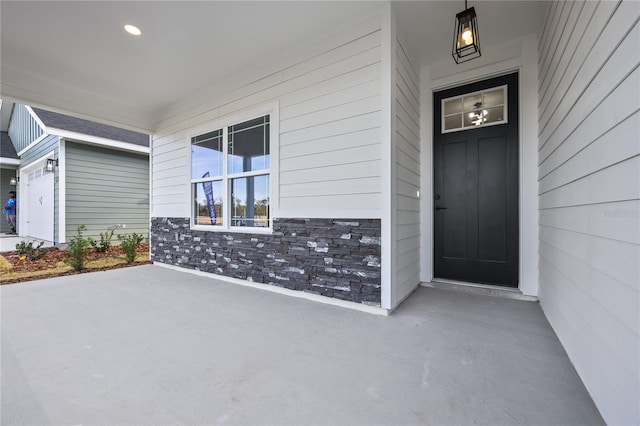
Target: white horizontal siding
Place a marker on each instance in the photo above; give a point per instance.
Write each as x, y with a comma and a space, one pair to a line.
328, 152
407, 175
598, 187
589, 195
365, 205
590, 157
359, 170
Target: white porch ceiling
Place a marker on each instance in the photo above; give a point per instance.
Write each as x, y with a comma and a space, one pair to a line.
74, 57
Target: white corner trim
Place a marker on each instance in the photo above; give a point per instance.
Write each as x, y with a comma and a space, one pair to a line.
426, 177
150, 161
387, 146
95, 140
283, 291
62, 192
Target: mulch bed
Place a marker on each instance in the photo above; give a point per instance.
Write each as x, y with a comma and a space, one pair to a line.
54, 256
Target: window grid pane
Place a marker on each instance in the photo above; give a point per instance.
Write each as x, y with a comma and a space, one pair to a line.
208, 205
206, 155
250, 201
248, 146
478, 108
236, 195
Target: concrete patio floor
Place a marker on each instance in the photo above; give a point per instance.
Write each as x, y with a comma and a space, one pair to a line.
150, 345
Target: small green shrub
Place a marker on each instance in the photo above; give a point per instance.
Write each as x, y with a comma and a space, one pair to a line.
78, 249
32, 253
130, 243
104, 243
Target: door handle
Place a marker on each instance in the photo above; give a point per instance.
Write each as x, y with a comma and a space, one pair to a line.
441, 208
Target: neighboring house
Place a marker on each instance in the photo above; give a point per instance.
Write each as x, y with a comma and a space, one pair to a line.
348, 173
9, 163
76, 172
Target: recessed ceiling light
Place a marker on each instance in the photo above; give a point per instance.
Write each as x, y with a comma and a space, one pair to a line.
132, 29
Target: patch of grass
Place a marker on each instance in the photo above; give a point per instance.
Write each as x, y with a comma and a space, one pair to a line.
61, 267
108, 261
4, 264
104, 262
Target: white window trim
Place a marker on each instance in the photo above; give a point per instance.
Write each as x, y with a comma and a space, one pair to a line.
505, 115
273, 111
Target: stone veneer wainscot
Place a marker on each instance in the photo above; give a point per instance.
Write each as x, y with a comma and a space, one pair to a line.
337, 258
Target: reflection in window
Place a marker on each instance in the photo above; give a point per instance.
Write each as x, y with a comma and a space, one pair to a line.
249, 146
208, 203
206, 155
250, 201
239, 195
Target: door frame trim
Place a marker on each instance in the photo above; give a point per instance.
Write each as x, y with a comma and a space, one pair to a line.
508, 273
524, 61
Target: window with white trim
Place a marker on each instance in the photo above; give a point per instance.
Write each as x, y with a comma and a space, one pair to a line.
230, 176
485, 108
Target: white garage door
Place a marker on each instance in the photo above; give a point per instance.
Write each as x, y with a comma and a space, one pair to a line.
37, 204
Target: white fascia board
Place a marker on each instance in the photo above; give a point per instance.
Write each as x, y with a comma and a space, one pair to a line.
9, 161
32, 144
95, 140
36, 118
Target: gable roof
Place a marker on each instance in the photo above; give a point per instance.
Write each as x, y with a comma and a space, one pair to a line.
79, 125
7, 150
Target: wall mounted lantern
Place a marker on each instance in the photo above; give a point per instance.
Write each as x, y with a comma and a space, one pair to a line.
466, 43
51, 164
13, 180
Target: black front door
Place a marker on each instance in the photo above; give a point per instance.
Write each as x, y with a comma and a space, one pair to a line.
476, 186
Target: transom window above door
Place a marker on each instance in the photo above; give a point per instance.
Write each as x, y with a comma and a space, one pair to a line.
488, 107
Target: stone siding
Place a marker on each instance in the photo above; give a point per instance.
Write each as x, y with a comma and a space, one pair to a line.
337, 258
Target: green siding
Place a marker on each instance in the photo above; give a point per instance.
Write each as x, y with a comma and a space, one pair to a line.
104, 188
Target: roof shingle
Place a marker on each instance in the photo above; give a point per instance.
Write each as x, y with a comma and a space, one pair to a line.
7, 150
79, 125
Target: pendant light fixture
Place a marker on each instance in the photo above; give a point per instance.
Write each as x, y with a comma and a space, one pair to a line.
466, 43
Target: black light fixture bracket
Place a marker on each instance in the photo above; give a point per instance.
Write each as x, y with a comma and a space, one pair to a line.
51, 164
466, 40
